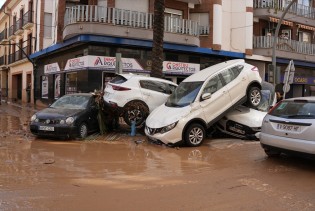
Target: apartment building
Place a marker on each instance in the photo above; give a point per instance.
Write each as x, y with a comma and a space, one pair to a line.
197, 34
25, 27
295, 41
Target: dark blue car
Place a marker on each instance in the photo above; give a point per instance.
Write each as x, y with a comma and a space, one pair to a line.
71, 116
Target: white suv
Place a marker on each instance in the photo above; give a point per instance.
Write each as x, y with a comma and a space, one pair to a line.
135, 96
202, 99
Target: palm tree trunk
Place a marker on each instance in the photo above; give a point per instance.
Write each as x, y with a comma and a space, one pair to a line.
158, 37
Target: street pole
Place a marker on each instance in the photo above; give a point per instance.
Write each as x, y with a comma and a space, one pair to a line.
275, 41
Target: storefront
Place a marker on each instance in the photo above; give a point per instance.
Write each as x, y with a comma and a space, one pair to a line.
90, 73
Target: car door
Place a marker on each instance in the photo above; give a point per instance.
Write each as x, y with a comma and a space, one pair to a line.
236, 82
219, 101
154, 93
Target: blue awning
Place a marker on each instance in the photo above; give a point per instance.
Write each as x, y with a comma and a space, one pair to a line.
134, 43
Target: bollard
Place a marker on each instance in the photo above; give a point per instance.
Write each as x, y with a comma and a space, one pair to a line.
133, 128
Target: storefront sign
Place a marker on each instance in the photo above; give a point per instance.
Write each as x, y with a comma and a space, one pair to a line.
180, 67
51, 68
302, 80
102, 62
306, 27
45, 87
284, 22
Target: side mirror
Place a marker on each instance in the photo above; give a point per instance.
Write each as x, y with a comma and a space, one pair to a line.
205, 96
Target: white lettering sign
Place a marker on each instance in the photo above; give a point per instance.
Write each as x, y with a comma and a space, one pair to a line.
180, 67
51, 68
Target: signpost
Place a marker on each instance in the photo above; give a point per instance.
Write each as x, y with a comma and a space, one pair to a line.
288, 77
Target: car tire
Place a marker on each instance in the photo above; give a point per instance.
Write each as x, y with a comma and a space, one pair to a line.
83, 131
194, 135
254, 97
272, 153
135, 111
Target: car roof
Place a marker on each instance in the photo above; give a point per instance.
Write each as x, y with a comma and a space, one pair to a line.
143, 77
310, 98
205, 73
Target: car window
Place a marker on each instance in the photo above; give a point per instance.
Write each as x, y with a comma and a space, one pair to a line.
213, 85
184, 94
118, 80
155, 86
230, 74
172, 88
295, 109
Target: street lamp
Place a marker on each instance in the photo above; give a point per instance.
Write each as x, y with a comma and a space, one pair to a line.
275, 40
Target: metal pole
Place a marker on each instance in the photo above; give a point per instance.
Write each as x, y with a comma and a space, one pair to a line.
275, 40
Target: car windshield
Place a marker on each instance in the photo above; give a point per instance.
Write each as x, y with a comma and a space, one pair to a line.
71, 102
184, 94
298, 109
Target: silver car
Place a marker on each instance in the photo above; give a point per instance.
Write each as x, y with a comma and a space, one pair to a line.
289, 127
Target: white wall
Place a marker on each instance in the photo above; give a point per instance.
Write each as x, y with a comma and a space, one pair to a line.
134, 5
234, 19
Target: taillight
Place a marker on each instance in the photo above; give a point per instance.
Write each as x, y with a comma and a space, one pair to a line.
120, 88
274, 107
255, 69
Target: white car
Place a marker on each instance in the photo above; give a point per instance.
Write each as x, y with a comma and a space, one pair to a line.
244, 122
289, 127
202, 99
135, 96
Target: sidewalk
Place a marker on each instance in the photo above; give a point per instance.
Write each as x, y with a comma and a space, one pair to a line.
28, 106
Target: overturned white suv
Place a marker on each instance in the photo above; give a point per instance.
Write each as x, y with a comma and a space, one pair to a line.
201, 100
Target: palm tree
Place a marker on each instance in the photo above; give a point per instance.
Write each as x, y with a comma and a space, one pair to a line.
158, 36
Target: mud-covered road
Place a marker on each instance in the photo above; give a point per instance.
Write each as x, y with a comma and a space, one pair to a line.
119, 172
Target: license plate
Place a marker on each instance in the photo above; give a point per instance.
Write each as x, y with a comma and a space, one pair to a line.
293, 128
46, 128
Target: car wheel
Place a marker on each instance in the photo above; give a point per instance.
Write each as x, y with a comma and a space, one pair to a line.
135, 111
254, 97
272, 153
83, 131
194, 135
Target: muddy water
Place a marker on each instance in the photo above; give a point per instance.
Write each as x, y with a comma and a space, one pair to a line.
119, 172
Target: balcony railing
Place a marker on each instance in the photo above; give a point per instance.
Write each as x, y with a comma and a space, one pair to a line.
19, 55
135, 19
3, 35
284, 45
279, 5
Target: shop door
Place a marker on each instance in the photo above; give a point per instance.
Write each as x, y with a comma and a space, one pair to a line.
19, 86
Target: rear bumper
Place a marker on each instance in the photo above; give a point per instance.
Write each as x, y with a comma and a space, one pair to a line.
285, 143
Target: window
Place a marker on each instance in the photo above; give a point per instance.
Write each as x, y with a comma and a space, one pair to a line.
228, 76
155, 86
213, 85
305, 37
48, 25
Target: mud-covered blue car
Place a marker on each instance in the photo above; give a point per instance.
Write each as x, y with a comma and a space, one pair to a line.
71, 116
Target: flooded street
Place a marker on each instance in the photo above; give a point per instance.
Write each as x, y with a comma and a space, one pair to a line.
119, 172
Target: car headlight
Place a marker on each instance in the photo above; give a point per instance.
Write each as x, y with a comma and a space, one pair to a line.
33, 118
168, 127
69, 120
62, 122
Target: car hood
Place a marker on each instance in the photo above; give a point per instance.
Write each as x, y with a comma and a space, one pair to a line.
57, 113
246, 116
163, 115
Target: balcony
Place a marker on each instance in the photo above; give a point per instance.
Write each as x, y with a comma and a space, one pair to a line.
19, 30
285, 48
87, 19
3, 37
18, 56
11, 32
28, 20
275, 8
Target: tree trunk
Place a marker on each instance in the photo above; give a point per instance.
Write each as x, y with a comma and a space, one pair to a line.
158, 37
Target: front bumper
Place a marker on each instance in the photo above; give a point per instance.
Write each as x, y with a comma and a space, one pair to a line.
171, 137
60, 131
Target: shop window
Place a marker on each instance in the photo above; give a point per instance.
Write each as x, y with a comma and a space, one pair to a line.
44, 86
57, 86
71, 83
171, 57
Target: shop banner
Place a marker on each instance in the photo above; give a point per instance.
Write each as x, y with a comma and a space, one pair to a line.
57, 86
102, 62
302, 80
45, 87
180, 67
51, 68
